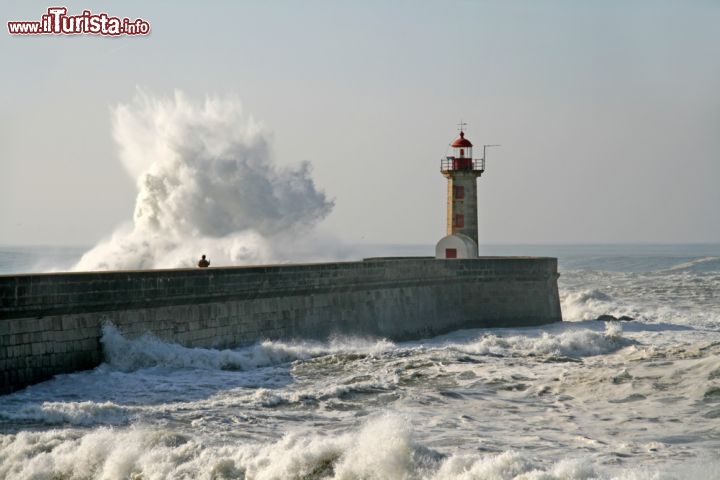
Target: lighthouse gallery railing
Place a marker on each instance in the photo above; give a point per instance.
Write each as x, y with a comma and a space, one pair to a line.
451, 164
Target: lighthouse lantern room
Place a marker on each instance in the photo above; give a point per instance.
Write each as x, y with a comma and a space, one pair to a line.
461, 171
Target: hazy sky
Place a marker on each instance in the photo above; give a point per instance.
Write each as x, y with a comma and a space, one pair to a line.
608, 112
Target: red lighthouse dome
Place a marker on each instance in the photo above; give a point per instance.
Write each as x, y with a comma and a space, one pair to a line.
461, 141
461, 147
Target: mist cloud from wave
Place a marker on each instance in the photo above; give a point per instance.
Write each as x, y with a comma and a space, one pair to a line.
207, 183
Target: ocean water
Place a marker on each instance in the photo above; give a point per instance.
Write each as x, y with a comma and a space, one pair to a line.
582, 399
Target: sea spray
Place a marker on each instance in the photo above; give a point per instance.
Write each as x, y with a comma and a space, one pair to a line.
586, 304
149, 351
207, 183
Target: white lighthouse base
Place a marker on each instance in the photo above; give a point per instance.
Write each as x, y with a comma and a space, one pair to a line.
456, 245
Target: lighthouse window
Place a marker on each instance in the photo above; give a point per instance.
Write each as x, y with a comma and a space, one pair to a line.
459, 221
459, 191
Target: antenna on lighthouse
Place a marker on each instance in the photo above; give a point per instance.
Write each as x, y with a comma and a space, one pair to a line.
485, 146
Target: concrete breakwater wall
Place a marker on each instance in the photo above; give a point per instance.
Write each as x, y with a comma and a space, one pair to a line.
51, 323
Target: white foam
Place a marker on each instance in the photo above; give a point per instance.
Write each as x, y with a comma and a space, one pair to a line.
384, 447
149, 351
697, 262
571, 342
73, 413
587, 304
103, 453
670, 297
512, 465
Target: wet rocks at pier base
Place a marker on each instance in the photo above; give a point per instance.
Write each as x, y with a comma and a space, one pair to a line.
613, 318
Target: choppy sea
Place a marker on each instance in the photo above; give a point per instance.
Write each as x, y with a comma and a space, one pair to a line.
581, 399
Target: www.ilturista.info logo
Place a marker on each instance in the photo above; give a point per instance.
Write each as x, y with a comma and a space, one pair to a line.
58, 22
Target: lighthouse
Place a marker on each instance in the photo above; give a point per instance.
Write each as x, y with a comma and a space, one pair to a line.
461, 171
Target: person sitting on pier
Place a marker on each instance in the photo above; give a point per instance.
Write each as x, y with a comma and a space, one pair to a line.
203, 263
